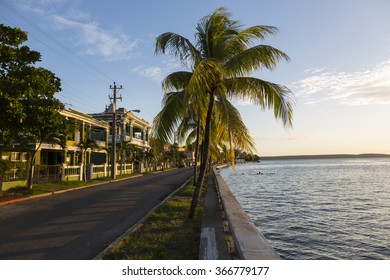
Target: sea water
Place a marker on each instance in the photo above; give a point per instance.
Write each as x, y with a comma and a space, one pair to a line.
318, 208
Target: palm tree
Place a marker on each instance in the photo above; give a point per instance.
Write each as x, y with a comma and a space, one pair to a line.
220, 61
86, 145
126, 148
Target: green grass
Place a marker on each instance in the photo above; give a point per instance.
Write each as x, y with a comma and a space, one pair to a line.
57, 186
167, 234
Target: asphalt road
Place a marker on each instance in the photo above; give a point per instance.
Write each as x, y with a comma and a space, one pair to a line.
79, 224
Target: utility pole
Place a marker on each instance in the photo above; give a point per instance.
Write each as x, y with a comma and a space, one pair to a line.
113, 99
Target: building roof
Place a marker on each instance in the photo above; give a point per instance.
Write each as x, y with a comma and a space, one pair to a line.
70, 113
107, 116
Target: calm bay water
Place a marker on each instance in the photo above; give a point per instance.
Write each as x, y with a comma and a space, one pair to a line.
318, 209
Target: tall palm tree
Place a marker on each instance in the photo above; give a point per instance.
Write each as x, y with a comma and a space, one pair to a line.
220, 61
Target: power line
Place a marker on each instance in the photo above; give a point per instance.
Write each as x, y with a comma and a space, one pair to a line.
87, 106
96, 107
57, 52
84, 105
61, 45
82, 96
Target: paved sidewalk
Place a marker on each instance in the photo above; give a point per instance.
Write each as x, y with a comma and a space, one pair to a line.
213, 245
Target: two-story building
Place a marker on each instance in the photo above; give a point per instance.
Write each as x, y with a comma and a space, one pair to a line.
129, 127
86, 144
85, 127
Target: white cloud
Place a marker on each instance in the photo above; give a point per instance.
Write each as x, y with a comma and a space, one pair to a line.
159, 72
40, 7
370, 86
98, 41
154, 73
243, 102
314, 70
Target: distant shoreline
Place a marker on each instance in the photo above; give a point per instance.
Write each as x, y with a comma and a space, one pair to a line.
335, 156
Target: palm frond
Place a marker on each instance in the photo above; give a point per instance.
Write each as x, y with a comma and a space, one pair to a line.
178, 46
176, 81
244, 38
213, 32
206, 75
232, 126
266, 94
255, 58
166, 121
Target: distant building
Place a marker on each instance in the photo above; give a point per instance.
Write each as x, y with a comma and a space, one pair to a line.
129, 127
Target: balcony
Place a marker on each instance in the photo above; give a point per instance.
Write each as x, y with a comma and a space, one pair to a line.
135, 140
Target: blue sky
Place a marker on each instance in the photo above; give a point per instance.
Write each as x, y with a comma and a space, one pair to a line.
339, 70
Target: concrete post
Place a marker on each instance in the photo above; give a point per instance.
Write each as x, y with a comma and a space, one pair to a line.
81, 172
89, 171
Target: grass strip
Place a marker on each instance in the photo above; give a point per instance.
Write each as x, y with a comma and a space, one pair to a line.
56, 186
166, 235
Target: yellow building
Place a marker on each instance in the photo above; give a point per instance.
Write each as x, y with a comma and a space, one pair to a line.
86, 127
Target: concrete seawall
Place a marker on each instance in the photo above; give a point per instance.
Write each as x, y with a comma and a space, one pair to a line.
249, 241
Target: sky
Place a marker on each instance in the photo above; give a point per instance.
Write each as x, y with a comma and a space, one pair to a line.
339, 71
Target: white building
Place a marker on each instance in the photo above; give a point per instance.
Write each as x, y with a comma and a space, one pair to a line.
129, 127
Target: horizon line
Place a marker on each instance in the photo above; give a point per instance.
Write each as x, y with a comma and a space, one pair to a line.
366, 155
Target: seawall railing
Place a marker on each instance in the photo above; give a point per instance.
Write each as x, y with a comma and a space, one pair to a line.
250, 243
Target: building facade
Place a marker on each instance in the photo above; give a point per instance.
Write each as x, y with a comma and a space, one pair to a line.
86, 144
129, 128
86, 151
86, 130
74, 153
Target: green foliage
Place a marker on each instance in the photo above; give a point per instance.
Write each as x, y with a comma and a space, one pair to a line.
18, 168
29, 110
5, 166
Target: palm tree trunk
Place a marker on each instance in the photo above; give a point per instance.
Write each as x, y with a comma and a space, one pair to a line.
84, 161
205, 157
196, 150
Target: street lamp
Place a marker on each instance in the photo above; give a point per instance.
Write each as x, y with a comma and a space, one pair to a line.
113, 142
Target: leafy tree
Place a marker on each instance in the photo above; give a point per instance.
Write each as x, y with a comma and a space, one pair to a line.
29, 111
219, 63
